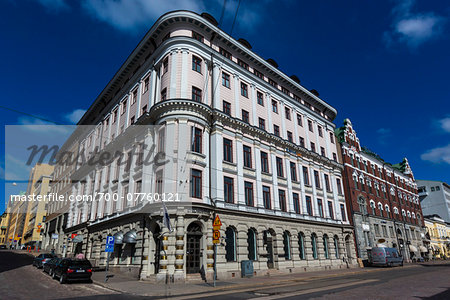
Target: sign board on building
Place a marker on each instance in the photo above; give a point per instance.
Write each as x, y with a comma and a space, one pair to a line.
54, 236
109, 247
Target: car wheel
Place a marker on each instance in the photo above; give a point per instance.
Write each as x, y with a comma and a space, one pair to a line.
53, 275
62, 279
50, 272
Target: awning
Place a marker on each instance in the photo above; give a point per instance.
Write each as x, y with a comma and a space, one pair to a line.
118, 238
413, 248
423, 249
78, 238
130, 237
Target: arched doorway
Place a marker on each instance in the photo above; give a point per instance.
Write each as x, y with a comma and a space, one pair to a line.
193, 248
269, 238
157, 243
348, 248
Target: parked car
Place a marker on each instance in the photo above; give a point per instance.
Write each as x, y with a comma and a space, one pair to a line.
42, 259
382, 256
69, 269
50, 265
3, 247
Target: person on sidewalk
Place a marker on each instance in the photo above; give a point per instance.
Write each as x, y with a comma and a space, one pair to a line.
80, 256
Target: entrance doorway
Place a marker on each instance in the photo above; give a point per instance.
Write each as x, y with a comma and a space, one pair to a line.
193, 248
268, 241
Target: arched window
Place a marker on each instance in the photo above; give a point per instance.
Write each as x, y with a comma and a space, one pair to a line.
251, 241
314, 245
325, 246
372, 206
395, 210
287, 244
230, 246
301, 245
336, 246
380, 206
386, 207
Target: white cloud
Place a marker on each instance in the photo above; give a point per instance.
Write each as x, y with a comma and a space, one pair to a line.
445, 124
75, 116
15, 168
54, 5
43, 127
437, 155
129, 15
412, 29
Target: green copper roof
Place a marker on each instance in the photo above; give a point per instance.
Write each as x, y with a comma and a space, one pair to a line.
339, 132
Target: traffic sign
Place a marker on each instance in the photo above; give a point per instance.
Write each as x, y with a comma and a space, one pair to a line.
216, 237
217, 222
109, 247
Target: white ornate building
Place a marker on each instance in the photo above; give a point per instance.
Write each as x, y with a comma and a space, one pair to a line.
242, 139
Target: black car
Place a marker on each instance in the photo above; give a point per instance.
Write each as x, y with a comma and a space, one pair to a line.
42, 259
50, 265
3, 247
69, 269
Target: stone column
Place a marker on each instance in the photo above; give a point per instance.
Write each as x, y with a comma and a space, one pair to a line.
179, 247
163, 261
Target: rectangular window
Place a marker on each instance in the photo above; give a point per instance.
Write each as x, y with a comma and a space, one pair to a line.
225, 80
279, 162
244, 90
339, 188
302, 141
196, 140
228, 189
225, 53
299, 120
296, 200
320, 207
260, 98
266, 197
344, 217
282, 199
146, 84
319, 129
274, 106
273, 83
124, 109
242, 64
227, 150
330, 209
289, 137
245, 116
196, 94
308, 205
196, 64
164, 94
262, 123
293, 171
305, 176
134, 96
132, 120
276, 130
247, 156
310, 126
322, 151
332, 137
264, 162
327, 183
287, 112
227, 108
165, 65
248, 186
258, 74
313, 147
196, 183
317, 179
285, 91
334, 156
197, 36
144, 109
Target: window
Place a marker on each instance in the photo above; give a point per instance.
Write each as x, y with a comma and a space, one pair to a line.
287, 245
432, 188
305, 176
322, 151
196, 94
164, 94
320, 207
244, 90
247, 156
289, 137
134, 96
332, 137
132, 120
319, 129
251, 241
299, 120
313, 147
384, 229
266, 197
285, 91
248, 187
334, 156
260, 98
225, 53
330, 209
264, 162
196, 183
302, 141
124, 109
317, 179
287, 112
282, 200
293, 171
301, 245
146, 84
230, 244
339, 187
273, 83
242, 64
196, 64
377, 229
227, 108
225, 80
258, 74
245, 116
309, 205
314, 245
144, 109
165, 65
197, 36
228, 189
325, 246
344, 218
327, 182
274, 106
227, 150
114, 120
196, 139
276, 130
310, 127
262, 123
296, 200
279, 162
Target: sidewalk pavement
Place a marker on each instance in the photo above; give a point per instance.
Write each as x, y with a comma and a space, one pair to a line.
124, 284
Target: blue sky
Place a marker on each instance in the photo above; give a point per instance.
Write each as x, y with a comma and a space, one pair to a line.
383, 64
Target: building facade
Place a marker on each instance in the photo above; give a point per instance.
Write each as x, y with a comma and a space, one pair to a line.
4, 221
435, 198
381, 198
244, 141
438, 232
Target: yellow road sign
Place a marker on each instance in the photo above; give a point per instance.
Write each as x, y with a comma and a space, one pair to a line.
217, 222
